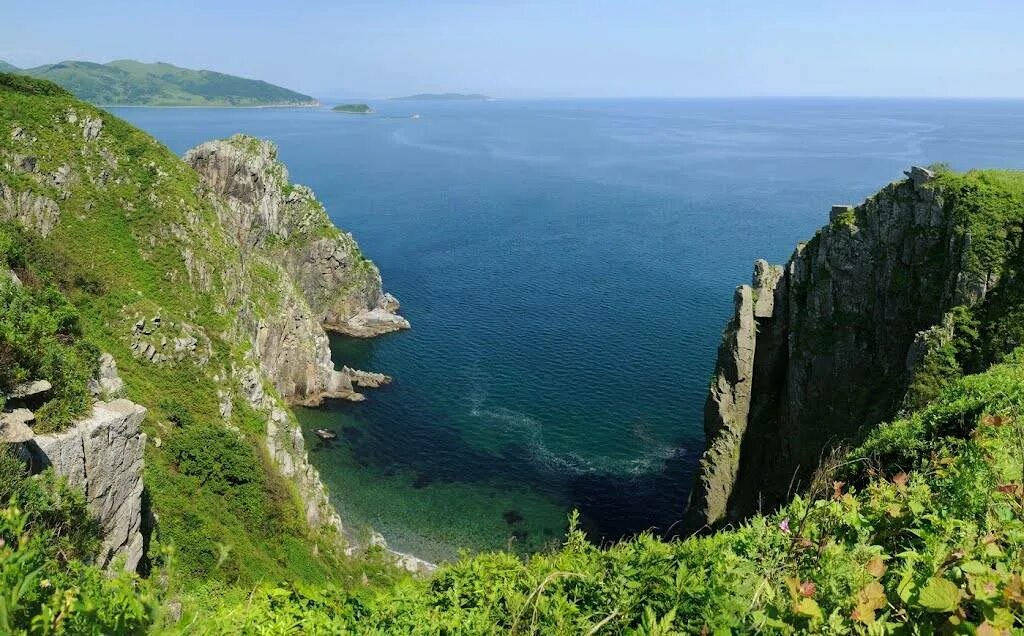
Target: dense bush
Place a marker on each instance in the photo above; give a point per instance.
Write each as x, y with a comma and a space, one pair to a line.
47, 537
40, 339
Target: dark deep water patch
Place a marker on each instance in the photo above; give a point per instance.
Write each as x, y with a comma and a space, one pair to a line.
567, 268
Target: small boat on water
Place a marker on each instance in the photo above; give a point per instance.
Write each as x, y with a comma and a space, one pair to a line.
415, 116
325, 434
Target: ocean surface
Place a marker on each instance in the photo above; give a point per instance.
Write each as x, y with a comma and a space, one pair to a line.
567, 267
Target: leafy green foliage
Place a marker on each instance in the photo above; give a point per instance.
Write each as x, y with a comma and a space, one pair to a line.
47, 539
40, 338
28, 85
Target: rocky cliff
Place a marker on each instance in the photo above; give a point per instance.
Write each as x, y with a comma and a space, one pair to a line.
826, 346
102, 455
211, 282
267, 212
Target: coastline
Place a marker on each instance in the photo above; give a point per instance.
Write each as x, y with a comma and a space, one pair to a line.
210, 106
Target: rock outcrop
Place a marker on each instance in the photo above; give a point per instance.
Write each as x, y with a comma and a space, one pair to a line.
826, 345
286, 446
264, 211
32, 210
102, 455
108, 383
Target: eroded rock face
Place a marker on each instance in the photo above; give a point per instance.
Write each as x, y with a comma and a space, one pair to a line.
32, 210
264, 211
102, 455
826, 345
107, 383
325, 280
287, 448
728, 405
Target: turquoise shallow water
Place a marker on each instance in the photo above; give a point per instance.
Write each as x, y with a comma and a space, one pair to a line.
567, 268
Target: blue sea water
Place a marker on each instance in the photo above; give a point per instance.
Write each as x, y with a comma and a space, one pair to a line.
567, 267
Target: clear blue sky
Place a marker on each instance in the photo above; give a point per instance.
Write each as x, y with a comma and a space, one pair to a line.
579, 48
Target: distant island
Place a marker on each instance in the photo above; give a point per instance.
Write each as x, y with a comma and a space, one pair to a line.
132, 83
444, 97
357, 109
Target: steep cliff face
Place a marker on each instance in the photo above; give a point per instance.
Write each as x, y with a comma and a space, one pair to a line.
827, 346
102, 455
265, 212
211, 286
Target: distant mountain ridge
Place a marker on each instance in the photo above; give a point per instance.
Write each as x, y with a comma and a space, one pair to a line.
437, 97
133, 83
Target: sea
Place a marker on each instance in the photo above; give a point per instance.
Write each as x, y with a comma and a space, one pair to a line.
567, 267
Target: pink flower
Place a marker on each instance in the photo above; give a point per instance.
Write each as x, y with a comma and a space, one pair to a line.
784, 526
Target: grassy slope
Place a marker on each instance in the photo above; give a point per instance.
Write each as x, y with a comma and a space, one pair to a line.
131, 83
235, 523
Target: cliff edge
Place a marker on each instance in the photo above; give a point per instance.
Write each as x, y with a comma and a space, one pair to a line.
873, 314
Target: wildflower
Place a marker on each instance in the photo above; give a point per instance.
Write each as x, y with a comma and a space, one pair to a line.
784, 526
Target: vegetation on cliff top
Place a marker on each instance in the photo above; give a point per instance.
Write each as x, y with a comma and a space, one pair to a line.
919, 529
132, 83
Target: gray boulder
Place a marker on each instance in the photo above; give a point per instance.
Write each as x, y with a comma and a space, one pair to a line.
102, 455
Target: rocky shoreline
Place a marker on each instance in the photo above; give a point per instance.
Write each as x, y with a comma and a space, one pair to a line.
328, 285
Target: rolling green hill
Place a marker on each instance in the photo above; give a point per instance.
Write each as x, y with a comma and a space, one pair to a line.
132, 83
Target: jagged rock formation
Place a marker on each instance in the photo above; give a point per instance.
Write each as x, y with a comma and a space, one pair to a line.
102, 455
828, 344
107, 384
265, 211
213, 287
32, 210
326, 281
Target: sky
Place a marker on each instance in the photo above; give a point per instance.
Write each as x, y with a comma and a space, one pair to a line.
550, 49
